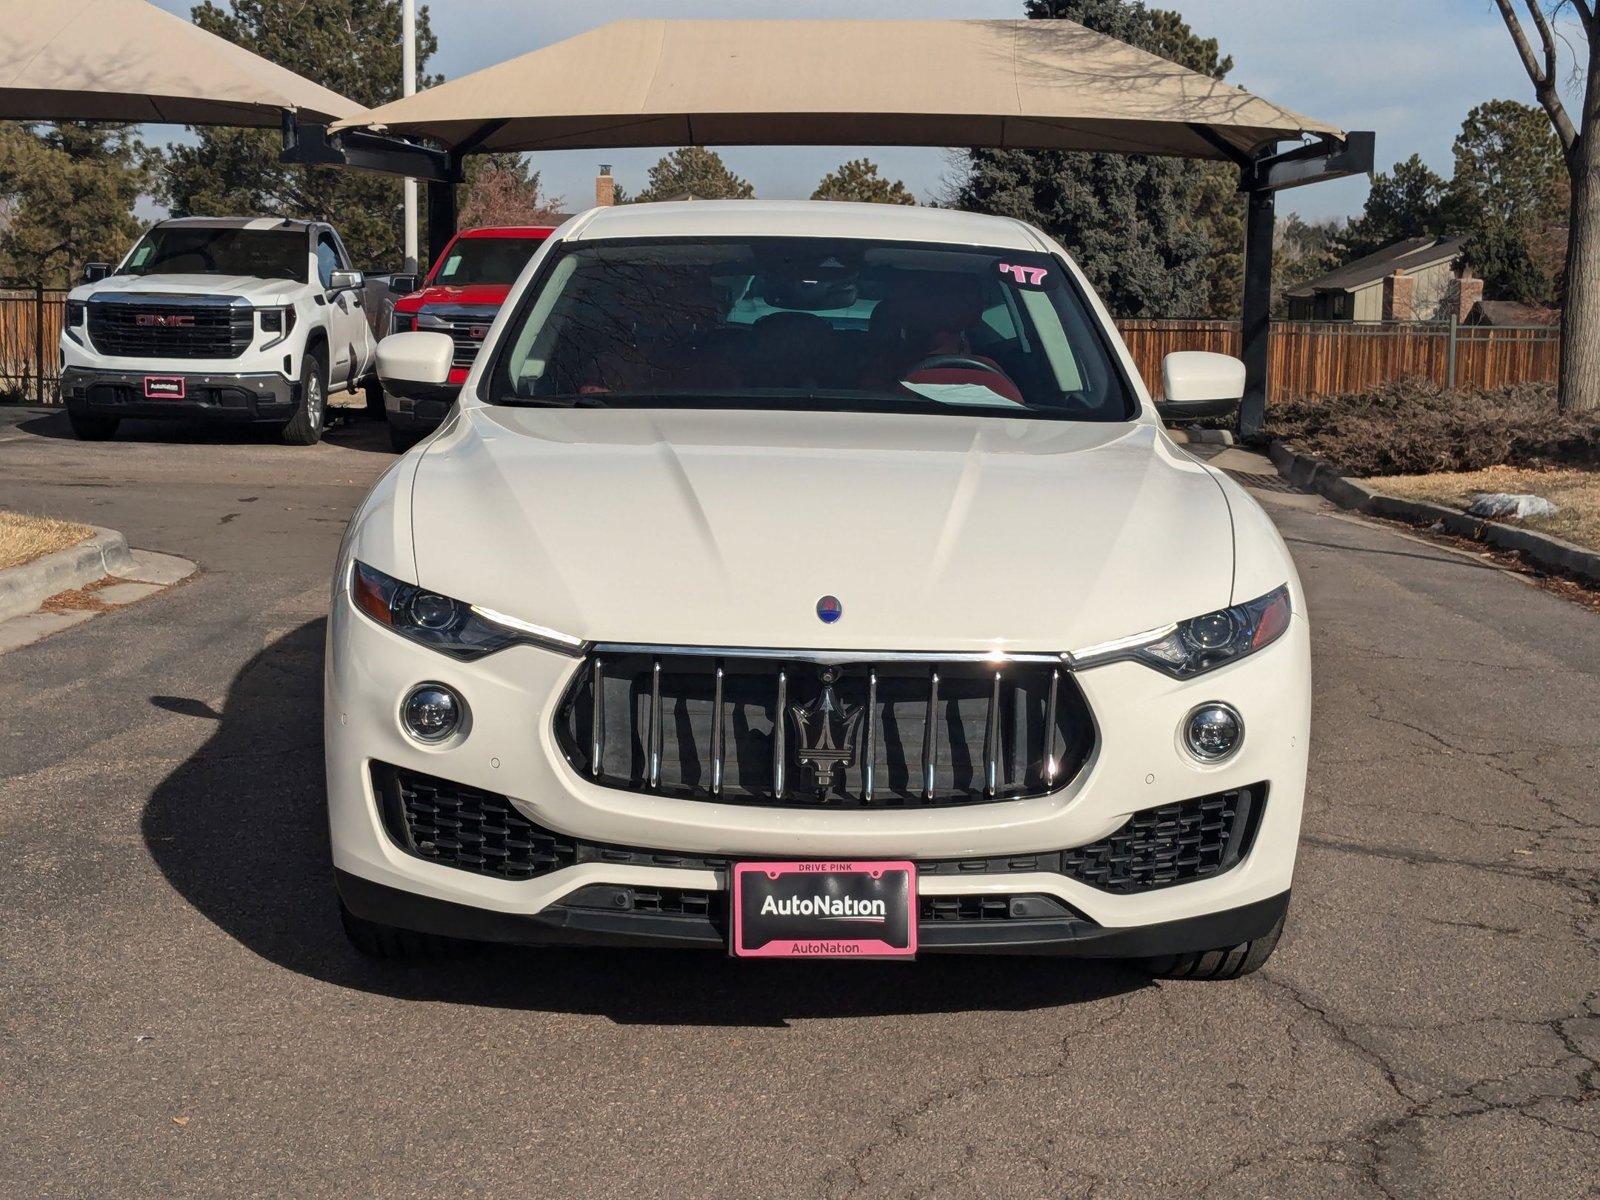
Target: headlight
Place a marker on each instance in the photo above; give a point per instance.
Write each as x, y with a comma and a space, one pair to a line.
400, 322
1201, 643
278, 322
77, 312
453, 627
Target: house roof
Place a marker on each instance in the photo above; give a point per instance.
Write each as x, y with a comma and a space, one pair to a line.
1410, 255
1051, 84
1506, 313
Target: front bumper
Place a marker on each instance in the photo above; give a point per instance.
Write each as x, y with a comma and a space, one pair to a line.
421, 414
574, 925
510, 749
226, 397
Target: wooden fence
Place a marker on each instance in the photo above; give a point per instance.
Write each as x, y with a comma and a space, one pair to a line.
30, 330
1309, 358
1326, 358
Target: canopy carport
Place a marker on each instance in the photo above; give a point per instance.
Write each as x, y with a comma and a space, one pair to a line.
1047, 84
126, 60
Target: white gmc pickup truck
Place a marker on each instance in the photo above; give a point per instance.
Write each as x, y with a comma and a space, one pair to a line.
234, 319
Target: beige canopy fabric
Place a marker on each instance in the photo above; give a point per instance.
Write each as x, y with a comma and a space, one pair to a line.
1047, 84
126, 60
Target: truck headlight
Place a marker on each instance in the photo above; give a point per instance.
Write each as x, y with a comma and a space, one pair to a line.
454, 627
1202, 643
276, 322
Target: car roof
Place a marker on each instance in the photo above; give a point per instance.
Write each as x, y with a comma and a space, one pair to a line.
509, 231
235, 223
805, 218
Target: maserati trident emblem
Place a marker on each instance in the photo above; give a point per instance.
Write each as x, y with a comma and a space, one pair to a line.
825, 732
829, 610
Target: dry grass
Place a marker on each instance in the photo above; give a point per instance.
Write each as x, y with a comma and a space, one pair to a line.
1576, 493
24, 538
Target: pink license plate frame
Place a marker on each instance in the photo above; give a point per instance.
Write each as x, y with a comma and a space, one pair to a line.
165, 387
821, 945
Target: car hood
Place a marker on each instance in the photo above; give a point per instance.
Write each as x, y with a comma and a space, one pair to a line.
726, 528
248, 287
489, 295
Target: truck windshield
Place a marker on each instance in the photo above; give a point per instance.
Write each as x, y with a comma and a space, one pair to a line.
809, 323
484, 260
192, 250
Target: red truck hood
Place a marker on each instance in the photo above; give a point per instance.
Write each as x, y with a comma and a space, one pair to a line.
491, 295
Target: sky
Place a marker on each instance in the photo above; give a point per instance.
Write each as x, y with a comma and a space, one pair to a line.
1408, 69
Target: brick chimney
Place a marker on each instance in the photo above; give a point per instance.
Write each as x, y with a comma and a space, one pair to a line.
1399, 297
1465, 293
605, 187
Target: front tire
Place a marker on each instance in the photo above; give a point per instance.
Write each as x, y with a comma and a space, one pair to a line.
397, 945
92, 429
1226, 962
305, 427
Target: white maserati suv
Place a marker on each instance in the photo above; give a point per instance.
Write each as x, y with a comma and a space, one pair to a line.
814, 580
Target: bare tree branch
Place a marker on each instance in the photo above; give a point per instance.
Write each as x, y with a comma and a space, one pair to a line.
1543, 74
1585, 11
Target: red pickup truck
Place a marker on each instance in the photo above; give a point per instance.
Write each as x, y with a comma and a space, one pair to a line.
461, 295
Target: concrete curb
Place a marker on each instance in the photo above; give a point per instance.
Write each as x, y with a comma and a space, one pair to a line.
24, 588
1313, 475
1202, 437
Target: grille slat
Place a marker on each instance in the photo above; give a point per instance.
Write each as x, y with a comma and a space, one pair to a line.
792, 732
482, 832
170, 329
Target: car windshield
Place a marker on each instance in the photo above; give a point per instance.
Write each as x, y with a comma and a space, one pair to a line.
809, 323
484, 260
192, 250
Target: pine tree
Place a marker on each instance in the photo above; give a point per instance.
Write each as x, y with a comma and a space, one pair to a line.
67, 193
350, 46
859, 180
697, 172
1158, 237
1406, 202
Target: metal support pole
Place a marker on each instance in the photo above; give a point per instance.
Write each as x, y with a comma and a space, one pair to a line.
1260, 224
441, 214
38, 341
1455, 340
408, 86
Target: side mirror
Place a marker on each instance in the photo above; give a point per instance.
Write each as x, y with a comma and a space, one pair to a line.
1200, 384
416, 364
402, 285
344, 281
95, 272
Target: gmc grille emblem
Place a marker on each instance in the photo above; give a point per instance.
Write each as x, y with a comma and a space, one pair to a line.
164, 320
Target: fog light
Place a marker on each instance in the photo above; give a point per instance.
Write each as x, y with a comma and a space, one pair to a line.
432, 712
1213, 732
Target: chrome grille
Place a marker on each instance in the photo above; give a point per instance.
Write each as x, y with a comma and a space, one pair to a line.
879, 732
179, 327
465, 326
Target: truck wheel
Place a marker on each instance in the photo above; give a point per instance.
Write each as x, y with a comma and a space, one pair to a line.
401, 440
305, 427
1226, 962
374, 390
92, 429
385, 941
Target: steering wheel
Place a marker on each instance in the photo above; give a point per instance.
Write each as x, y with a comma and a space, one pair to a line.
954, 362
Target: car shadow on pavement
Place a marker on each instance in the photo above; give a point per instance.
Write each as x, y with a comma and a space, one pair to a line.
239, 829
350, 430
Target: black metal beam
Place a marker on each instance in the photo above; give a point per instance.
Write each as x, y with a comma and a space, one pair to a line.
1261, 179
442, 217
1328, 158
1260, 226
311, 146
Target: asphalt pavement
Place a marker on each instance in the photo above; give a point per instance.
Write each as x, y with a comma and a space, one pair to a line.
182, 1016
